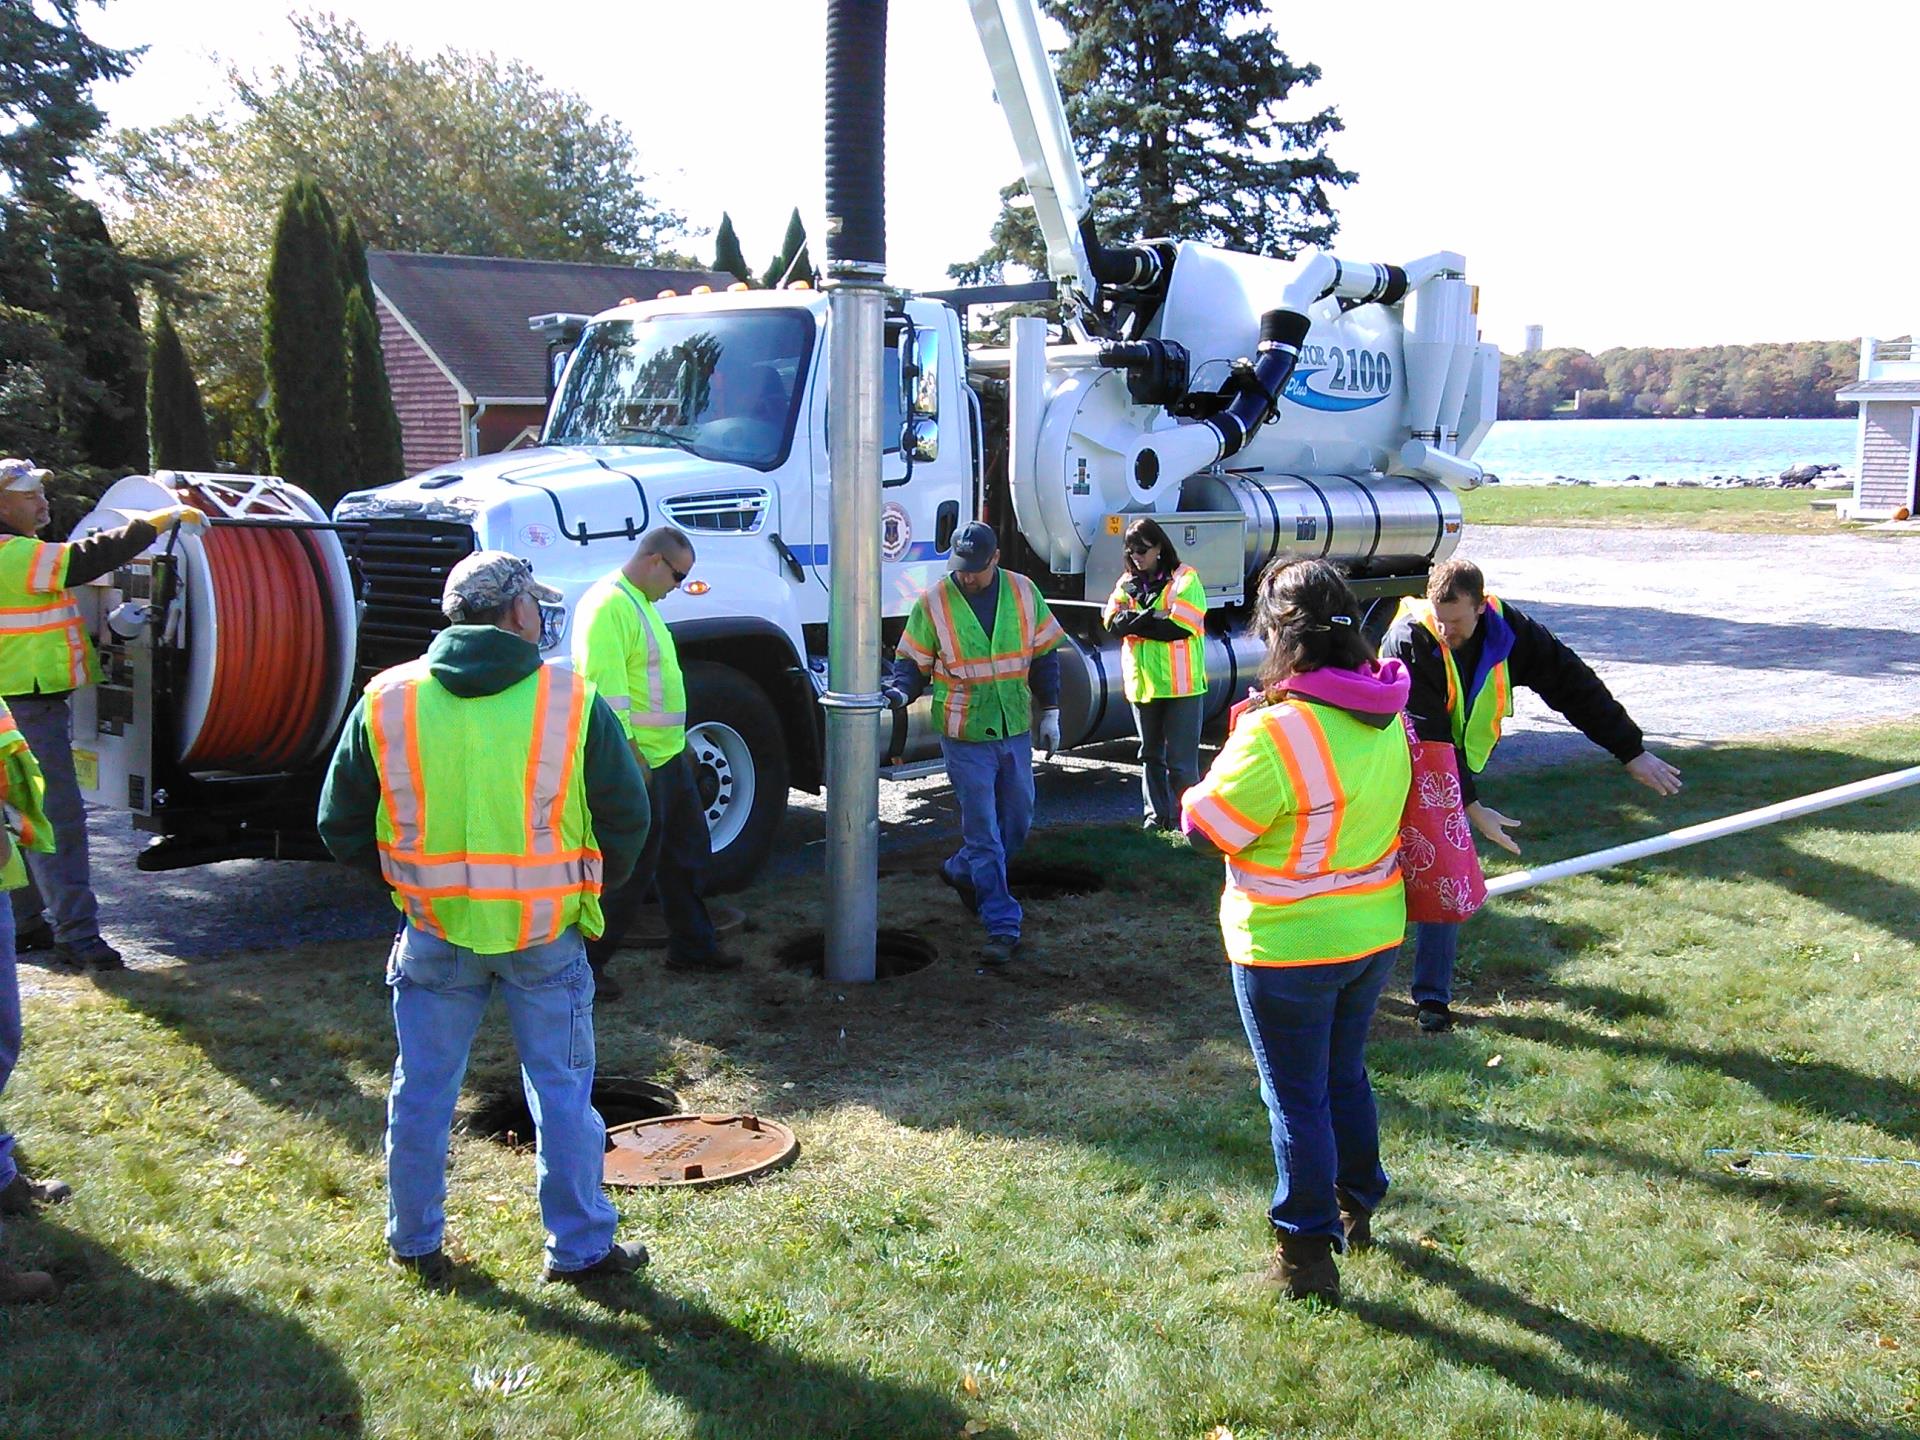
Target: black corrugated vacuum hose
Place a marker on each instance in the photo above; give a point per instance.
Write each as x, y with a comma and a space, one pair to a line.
1281, 335
856, 133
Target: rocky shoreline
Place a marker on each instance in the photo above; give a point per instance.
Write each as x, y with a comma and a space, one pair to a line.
1796, 477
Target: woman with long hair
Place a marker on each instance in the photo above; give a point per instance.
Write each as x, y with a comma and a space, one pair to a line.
1304, 803
1159, 609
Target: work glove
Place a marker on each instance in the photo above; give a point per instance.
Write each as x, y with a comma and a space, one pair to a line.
165, 519
1049, 731
1123, 622
896, 698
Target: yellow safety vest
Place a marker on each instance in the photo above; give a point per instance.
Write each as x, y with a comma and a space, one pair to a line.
1305, 801
622, 645
1165, 669
979, 685
1477, 730
482, 824
24, 790
44, 645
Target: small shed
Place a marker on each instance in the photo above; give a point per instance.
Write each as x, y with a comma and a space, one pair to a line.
1888, 394
467, 375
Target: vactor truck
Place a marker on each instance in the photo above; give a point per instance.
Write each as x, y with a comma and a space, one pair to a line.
1260, 408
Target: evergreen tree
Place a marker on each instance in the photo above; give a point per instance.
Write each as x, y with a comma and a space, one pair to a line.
353, 261
1173, 105
99, 311
376, 427
727, 255
309, 432
176, 420
792, 263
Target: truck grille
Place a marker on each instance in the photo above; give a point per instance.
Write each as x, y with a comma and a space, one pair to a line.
403, 568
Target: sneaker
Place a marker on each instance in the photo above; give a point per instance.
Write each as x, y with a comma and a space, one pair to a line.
622, 1259
1000, 950
433, 1269
21, 1196
1434, 1018
1303, 1267
36, 934
25, 1287
718, 963
962, 886
92, 954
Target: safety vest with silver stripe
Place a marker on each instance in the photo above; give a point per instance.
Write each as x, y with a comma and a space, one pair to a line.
482, 824
1305, 801
623, 646
1165, 669
980, 687
1476, 728
24, 789
44, 645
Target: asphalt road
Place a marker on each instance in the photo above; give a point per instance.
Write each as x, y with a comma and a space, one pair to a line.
1704, 637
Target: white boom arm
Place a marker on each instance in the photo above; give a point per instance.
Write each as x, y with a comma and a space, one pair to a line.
1030, 98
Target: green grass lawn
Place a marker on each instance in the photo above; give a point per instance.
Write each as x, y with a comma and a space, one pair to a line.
1772, 512
1033, 1204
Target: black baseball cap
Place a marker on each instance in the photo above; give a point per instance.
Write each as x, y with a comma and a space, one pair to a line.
974, 546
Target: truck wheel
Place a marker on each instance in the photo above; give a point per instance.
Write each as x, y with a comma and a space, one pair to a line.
739, 758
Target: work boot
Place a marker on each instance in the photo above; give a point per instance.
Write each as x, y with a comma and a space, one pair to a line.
962, 886
1000, 950
36, 934
21, 1196
1434, 1018
25, 1287
605, 987
433, 1269
1356, 1223
92, 953
622, 1259
1303, 1267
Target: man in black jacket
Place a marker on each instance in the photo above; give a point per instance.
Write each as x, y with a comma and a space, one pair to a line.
1466, 651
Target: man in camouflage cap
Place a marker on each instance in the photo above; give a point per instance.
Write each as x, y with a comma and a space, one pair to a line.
497, 796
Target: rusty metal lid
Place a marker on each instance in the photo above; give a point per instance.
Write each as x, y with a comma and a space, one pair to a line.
696, 1149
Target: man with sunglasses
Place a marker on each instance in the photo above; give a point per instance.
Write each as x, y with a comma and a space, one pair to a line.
622, 645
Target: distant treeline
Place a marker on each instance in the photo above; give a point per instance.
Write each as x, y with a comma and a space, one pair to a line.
1753, 381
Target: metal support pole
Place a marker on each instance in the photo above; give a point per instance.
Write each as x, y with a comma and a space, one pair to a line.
1708, 830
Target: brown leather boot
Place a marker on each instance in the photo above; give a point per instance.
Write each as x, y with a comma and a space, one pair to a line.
1356, 1221
1303, 1267
24, 1287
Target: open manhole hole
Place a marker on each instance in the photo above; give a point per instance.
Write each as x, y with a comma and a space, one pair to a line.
1051, 879
896, 953
504, 1115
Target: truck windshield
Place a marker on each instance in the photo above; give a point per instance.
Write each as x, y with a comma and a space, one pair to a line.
726, 387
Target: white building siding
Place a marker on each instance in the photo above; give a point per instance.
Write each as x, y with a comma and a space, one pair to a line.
1886, 456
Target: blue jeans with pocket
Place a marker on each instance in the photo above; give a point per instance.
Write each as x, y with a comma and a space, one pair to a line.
10, 1029
993, 781
440, 993
1307, 1025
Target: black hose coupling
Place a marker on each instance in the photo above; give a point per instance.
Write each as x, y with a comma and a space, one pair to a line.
1157, 370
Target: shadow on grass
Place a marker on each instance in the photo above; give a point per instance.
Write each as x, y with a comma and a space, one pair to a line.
122, 1354
738, 1386
1642, 1383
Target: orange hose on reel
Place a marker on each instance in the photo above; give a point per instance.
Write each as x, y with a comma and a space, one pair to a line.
271, 647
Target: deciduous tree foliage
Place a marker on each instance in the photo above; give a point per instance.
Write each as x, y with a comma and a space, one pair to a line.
1756, 381
1175, 109
727, 254
176, 419
309, 434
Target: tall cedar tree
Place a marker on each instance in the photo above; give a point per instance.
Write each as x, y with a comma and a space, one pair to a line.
100, 324
48, 67
309, 433
792, 263
376, 427
176, 420
727, 254
1174, 107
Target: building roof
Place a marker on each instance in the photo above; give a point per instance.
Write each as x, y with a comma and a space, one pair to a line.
1880, 390
470, 311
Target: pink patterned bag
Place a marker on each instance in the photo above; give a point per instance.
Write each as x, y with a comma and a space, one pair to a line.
1444, 881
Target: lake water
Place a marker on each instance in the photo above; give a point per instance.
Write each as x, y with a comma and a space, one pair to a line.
1614, 451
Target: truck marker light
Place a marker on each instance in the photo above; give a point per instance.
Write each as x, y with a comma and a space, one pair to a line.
738, 285
666, 294
798, 285
701, 290
629, 300
696, 587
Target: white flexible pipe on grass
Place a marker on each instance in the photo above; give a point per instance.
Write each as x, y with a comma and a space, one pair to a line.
1709, 830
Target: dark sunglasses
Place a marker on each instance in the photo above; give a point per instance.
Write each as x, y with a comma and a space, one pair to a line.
1141, 547
679, 576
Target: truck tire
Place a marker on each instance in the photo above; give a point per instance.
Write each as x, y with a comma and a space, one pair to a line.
739, 758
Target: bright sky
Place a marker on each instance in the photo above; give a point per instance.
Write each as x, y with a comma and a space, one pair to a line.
1682, 173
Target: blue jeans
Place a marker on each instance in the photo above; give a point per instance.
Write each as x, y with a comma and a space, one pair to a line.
1308, 1028
1169, 733
9, 1028
679, 847
993, 781
440, 991
1435, 948
59, 885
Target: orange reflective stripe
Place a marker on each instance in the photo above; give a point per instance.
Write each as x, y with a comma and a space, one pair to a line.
940, 611
1264, 886
1302, 746
391, 725
1182, 656
45, 569
1221, 823
494, 877
916, 652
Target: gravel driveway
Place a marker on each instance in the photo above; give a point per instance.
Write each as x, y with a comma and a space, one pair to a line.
1703, 636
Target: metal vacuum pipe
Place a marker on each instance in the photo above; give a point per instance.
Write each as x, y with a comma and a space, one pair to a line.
856, 321
1709, 830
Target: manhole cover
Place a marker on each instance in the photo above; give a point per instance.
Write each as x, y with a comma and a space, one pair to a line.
896, 953
650, 930
696, 1149
1050, 879
504, 1116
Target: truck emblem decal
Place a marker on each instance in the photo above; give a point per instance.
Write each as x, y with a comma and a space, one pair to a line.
1300, 391
896, 532
538, 536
